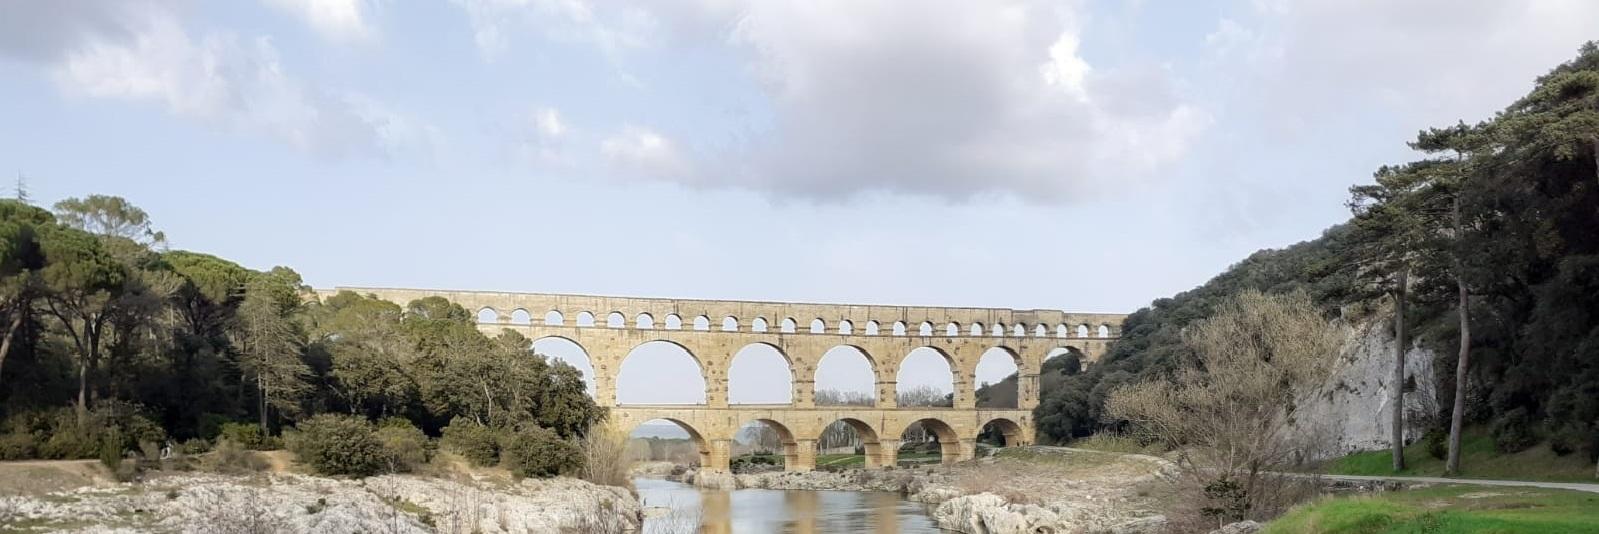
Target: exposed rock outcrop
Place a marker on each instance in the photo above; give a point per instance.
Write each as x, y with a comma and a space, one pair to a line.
1356, 407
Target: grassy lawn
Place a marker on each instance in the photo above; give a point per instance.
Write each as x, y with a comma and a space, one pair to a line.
1447, 509
1478, 459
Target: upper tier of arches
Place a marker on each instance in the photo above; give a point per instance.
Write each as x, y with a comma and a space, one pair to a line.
752, 316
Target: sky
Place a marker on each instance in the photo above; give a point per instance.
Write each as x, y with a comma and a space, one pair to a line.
1084, 156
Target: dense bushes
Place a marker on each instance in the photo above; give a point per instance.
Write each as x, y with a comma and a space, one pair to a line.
339, 445
539, 452
404, 444
479, 444
55, 434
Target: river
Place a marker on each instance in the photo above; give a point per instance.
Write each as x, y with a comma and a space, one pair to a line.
761, 511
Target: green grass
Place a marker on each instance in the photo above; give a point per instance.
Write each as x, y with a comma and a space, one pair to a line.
1478, 459
1447, 510
858, 460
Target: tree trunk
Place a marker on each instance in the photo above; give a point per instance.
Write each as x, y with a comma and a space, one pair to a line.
11, 333
1463, 361
1398, 436
82, 407
260, 387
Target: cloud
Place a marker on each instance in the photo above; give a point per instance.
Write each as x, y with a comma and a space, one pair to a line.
640, 152
337, 20
1434, 61
542, 140
610, 27
141, 51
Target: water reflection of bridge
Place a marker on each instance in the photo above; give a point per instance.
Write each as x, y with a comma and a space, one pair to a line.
712, 333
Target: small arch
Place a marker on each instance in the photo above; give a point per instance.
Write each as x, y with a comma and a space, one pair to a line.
1019, 330
553, 318
758, 325
585, 319
1040, 331
1082, 330
871, 328
520, 316
920, 437
644, 321
564, 350
1061, 331
926, 329
818, 327
848, 435
488, 316
976, 329
615, 320
789, 326
926, 377
702, 323
998, 330
1104, 331
899, 328
674, 322
1001, 432
730, 324
845, 327
952, 329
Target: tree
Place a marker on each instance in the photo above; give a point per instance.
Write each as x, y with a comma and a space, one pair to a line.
82, 284
110, 216
923, 395
270, 343
20, 261
1231, 415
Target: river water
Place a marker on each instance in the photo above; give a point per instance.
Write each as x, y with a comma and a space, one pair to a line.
760, 511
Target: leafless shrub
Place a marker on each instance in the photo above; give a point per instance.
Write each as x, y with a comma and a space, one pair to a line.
229, 457
236, 510
1231, 415
605, 458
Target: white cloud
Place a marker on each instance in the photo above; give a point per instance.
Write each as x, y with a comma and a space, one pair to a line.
337, 20
642, 152
495, 21
542, 140
223, 80
961, 99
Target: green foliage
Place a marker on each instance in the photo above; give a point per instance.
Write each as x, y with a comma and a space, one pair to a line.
1478, 453
1452, 509
479, 444
404, 444
340, 445
18, 446
1512, 432
244, 435
540, 452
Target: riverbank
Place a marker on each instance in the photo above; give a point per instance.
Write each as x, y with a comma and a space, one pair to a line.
73, 497
1024, 489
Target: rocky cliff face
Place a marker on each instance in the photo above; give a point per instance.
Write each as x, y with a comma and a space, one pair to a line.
1355, 407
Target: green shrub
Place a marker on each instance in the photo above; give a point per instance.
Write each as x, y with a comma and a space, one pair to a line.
232, 458
1437, 443
403, 443
539, 452
18, 446
1512, 431
335, 444
111, 449
479, 444
193, 446
244, 435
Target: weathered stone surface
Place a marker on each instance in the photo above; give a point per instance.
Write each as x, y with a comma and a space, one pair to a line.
986, 513
1241, 527
212, 503
1354, 410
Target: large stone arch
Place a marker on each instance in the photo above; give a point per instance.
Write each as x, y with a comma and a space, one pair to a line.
599, 372
705, 371
794, 458
788, 363
694, 435
871, 442
952, 448
1012, 432
959, 386
813, 365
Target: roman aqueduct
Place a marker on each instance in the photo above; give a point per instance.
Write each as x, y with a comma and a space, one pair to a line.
714, 331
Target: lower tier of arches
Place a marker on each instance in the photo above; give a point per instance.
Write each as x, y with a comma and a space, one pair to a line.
713, 430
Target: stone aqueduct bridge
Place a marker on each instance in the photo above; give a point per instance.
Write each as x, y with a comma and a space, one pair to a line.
713, 332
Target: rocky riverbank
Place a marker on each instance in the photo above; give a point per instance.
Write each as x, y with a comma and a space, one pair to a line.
1022, 490
282, 502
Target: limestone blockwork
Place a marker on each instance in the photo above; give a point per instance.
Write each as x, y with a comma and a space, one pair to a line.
713, 332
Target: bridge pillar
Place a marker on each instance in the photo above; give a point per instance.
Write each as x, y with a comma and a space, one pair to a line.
800, 455
720, 456
965, 394
887, 391
1027, 394
887, 453
804, 394
716, 393
604, 390
965, 449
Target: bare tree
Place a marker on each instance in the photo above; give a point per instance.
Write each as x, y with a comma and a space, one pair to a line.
1231, 415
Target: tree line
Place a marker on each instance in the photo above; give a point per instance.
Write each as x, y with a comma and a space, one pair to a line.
108, 330
1485, 250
